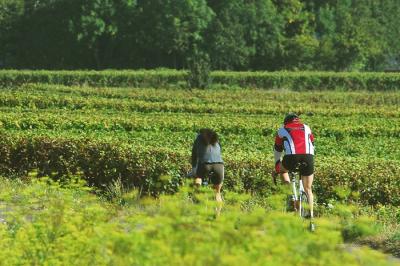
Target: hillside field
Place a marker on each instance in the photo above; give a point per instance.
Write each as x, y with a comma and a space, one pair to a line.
96, 175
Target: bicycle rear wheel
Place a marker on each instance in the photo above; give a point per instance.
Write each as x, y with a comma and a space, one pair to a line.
290, 207
304, 207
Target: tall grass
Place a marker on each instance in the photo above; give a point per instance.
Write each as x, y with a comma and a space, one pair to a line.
49, 223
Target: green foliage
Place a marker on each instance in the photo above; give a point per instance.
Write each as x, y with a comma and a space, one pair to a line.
363, 227
144, 136
10, 12
60, 138
226, 36
343, 193
96, 27
199, 66
244, 35
237, 34
388, 239
199, 71
49, 224
115, 191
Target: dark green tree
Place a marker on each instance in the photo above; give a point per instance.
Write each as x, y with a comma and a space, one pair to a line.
264, 27
387, 14
358, 37
166, 31
300, 43
11, 12
226, 41
244, 34
42, 39
337, 35
199, 67
96, 28
325, 58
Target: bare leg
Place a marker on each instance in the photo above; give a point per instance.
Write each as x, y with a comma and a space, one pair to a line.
197, 182
307, 184
218, 196
285, 175
218, 180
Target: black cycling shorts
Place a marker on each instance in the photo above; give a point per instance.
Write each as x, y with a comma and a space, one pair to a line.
217, 170
306, 168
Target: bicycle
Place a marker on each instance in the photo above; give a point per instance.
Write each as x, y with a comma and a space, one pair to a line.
298, 197
207, 180
204, 181
298, 200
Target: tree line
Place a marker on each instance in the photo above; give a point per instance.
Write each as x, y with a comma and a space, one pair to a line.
339, 35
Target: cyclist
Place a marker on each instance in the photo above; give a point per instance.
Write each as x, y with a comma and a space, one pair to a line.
207, 159
297, 142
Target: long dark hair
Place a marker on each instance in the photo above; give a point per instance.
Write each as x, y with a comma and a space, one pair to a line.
208, 136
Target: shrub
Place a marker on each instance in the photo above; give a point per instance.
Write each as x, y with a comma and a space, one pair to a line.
47, 224
199, 71
158, 170
198, 77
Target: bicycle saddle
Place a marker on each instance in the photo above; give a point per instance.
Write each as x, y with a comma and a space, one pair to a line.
299, 165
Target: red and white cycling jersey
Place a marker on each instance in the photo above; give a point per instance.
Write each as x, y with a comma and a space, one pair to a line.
295, 138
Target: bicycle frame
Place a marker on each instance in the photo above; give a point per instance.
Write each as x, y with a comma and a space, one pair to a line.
207, 180
297, 194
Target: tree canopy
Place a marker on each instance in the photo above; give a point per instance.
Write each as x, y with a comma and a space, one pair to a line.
339, 35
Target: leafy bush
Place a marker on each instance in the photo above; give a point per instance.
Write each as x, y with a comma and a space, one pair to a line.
47, 223
144, 136
157, 170
199, 71
198, 77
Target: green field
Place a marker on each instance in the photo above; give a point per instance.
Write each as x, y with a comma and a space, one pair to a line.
121, 132
143, 137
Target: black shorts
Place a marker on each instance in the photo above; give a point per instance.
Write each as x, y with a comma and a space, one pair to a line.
217, 170
290, 162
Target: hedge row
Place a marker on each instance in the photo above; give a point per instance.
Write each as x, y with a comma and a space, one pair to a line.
157, 170
310, 80
147, 78
168, 78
